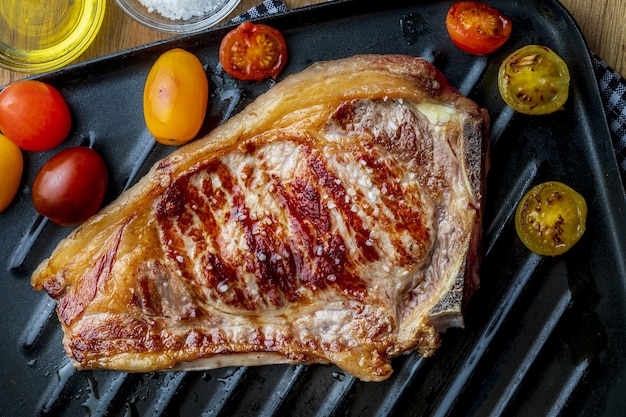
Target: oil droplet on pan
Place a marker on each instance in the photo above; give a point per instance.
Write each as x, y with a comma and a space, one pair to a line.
413, 26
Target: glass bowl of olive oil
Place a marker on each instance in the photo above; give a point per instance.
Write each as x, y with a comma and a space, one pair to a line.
42, 35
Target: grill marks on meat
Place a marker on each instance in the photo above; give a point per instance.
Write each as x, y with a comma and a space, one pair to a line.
73, 303
253, 232
339, 226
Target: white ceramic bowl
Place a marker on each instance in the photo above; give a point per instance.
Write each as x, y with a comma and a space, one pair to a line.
159, 18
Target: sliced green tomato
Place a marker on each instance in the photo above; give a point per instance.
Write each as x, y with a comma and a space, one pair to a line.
551, 218
534, 80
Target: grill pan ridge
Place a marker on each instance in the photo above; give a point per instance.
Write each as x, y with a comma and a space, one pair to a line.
543, 336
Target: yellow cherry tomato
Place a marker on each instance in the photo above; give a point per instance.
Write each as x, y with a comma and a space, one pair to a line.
551, 218
175, 97
534, 80
11, 167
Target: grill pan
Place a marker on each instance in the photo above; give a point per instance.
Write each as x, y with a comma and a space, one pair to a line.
543, 336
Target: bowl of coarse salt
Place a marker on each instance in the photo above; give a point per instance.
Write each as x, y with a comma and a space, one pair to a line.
178, 16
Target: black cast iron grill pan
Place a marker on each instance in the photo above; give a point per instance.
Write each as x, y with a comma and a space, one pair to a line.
543, 336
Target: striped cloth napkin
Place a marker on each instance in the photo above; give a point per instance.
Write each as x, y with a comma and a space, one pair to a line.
613, 93
268, 7
611, 84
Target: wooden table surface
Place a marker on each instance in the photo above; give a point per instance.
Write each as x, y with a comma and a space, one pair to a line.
603, 23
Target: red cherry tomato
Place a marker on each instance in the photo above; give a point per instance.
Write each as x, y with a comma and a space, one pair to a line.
253, 52
34, 115
71, 186
477, 28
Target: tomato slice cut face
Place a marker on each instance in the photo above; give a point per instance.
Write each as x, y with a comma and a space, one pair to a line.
477, 28
253, 52
534, 80
551, 218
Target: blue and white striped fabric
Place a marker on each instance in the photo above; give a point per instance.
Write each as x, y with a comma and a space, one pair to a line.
266, 8
613, 92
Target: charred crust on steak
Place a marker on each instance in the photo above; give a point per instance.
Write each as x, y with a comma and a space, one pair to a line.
338, 226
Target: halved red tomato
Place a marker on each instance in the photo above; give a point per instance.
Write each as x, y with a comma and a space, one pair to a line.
253, 52
477, 28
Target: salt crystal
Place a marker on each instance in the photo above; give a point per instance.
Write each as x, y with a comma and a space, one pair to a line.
181, 9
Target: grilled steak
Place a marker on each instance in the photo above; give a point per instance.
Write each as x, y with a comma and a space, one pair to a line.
335, 220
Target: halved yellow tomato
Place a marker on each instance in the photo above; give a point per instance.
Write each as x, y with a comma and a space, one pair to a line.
551, 218
11, 168
534, 80
175, 97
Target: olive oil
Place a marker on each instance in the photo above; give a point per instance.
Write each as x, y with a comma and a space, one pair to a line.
39, 35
